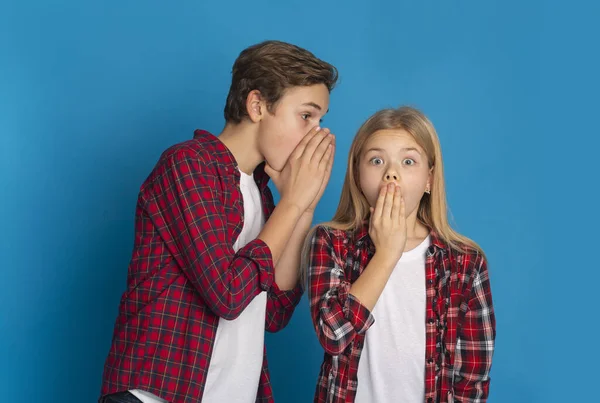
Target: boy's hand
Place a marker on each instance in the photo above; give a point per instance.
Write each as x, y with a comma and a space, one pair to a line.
313, 205
304, 177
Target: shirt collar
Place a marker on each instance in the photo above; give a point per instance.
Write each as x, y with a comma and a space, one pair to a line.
226, 159
362, 236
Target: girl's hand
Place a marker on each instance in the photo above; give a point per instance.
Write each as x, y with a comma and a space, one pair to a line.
387, 226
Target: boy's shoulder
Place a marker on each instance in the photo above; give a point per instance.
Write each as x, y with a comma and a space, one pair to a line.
204, 150
204, 146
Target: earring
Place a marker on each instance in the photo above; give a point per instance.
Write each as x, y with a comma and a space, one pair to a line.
427, 190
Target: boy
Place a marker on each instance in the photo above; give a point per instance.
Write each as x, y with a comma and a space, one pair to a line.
215, 263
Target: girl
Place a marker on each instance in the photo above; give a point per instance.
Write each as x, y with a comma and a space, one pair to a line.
400, 302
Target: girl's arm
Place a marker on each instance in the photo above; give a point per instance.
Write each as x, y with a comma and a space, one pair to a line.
387, 229
337, 315
337, 312
475, 343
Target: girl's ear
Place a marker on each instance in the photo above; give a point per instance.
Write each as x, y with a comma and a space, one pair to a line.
429, 180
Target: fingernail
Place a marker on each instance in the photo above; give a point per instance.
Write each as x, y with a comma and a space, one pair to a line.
318, 128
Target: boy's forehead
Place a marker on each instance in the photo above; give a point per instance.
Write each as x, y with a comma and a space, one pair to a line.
315, 96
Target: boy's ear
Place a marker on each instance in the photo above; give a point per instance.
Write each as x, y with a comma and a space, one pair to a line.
255, 106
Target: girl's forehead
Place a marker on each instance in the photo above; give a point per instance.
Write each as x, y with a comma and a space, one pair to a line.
390, 139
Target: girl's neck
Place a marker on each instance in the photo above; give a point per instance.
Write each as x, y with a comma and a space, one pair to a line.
416, 231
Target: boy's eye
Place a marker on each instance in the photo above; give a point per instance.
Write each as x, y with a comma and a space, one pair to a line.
305, 116
409, 161
376, 161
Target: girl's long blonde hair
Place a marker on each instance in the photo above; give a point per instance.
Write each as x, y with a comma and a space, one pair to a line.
353, 208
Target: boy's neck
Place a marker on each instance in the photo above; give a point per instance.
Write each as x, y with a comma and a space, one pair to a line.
242, 141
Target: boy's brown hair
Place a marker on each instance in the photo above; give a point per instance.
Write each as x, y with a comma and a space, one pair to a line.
271, 67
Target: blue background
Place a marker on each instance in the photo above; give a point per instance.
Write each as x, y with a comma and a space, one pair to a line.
92, 92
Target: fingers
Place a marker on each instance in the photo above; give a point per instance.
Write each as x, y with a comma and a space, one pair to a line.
377, 213
315, 148
299, 150
321, 150
396, 204
326, 163
324, 173
388, 202
402, 211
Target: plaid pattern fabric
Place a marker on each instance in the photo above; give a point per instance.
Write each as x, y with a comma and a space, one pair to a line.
460, 322
184, 274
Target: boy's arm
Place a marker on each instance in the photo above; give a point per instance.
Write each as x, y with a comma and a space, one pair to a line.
287, 290
194, 225
281, 304
475, 344
337, 315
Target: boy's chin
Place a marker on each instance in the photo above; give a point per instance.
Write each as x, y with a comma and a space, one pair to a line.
275, 165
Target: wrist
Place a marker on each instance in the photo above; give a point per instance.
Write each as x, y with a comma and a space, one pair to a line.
291, 207
305, 220
385, 260
308, 214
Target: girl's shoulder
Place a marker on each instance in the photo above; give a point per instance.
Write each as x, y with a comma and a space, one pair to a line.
463, 253
340, 234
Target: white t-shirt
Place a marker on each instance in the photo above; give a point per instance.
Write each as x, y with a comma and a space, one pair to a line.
237, 357
392, 363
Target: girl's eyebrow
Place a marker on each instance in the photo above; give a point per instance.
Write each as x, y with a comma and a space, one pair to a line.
411, 149
377, 149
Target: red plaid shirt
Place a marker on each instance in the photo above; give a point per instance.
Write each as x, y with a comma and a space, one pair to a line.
460, 322
184, 274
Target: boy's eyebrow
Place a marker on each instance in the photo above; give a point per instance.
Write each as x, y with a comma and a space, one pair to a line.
314, 105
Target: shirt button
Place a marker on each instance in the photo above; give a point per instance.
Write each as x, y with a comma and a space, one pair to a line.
430, 400
431, 321
430, 360
430, 281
